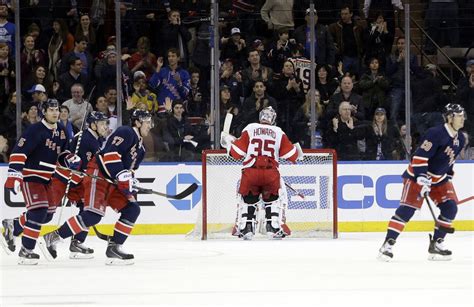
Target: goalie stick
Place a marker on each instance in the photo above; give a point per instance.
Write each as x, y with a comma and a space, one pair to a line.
189, 190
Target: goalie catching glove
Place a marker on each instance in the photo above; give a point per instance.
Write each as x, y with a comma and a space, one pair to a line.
227, 139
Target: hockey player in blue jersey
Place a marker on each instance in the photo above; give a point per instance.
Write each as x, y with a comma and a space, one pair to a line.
46, 142
90, 143
115, 163
430, 171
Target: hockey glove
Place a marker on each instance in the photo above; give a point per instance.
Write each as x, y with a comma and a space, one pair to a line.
425, 184
135, 184
14, 181
226, 139
73, 161
125, 182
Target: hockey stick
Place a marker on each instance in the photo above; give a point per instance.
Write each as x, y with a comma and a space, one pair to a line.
189, 190
296, 192
465, 200
440, 227
100, 235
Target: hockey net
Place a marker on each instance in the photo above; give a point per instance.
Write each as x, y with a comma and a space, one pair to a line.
315, 177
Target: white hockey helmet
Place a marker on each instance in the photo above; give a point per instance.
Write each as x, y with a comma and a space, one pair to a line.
267, 116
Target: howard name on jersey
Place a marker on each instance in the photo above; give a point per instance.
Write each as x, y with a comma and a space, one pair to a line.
436, 155
123, 150
89, 146
39, 143
262, 140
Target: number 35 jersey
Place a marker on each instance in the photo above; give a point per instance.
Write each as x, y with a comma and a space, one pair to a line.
436, 155
263, 140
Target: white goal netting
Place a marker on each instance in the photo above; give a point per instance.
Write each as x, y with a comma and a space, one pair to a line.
314, 177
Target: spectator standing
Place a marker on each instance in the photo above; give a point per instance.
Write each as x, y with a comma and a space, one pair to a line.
348, 40
79, 51
170, 81
374, 86
256, 71
253, 104
30, 57
278, 14
174, 34
378, 40
7, 75
7, 29
71, 77
324, 44
325, 84
234, 48
85, 29
60, 43
280, 50
143, 60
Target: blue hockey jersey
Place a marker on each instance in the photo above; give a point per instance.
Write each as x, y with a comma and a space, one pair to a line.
39, 143
89, 146
123, 150
436, 155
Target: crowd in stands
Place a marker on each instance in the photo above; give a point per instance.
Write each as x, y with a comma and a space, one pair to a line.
68, 52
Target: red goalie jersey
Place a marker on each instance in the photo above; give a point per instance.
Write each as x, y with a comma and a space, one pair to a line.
263, 140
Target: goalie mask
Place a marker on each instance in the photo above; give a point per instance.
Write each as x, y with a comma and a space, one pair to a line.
267, 116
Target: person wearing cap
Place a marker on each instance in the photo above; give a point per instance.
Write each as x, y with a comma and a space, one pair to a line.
108, 71
141, 93
380, 137
38, 96
234, 47
324, 44
278, 14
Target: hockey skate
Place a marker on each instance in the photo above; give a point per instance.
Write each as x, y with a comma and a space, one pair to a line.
274, 233
248, 232
7, 239
80, 251
48, 244
116, 256
437, 251
385, 252
27, 257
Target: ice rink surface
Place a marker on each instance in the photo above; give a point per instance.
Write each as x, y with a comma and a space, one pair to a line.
173, 271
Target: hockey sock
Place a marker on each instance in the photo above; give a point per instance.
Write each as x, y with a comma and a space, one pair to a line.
48, 218
79, 223
19, 224
83, 234
448, 212
124, 226
31, 231
397, 223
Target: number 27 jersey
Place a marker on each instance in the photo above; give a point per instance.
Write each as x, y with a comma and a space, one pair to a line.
262, 140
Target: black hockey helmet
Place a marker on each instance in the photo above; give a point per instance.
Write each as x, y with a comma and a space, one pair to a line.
452, 108
139, 115
50, 103
96, 116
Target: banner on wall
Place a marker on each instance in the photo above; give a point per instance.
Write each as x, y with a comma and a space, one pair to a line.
367, 192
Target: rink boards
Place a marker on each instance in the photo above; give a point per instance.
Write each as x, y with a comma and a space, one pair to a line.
367, 193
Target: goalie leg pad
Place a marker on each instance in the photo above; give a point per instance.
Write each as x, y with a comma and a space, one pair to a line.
275, 219
246, 216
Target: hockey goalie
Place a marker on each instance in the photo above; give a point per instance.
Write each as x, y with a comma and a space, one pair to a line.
261, 145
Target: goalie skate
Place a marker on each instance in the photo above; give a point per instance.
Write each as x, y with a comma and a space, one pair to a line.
7, 239
385, 252
27, 257
248, 232
437, 251
79, 251
275, 233
116, 256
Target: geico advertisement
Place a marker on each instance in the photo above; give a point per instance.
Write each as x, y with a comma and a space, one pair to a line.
365, 192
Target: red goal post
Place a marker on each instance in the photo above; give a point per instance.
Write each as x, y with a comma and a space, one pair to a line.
315, 177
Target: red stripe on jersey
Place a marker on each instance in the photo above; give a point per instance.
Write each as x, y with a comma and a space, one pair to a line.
22, 220
396, 225
419, 161
287, 149
31, 233
74, 225
27, 172
241, 146
63, 173
17, 158
76, 179
123, 228
111, 157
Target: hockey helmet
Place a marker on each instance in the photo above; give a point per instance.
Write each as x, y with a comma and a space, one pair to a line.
453, 108
96, 116
267, 115
139, 115
50, 103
